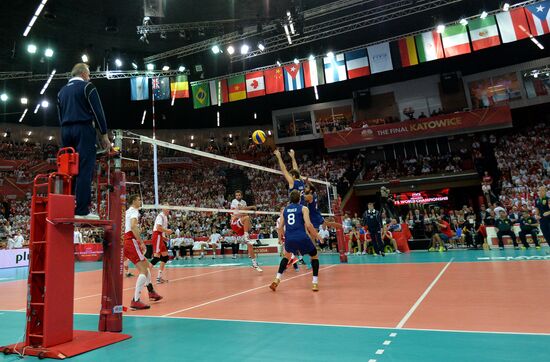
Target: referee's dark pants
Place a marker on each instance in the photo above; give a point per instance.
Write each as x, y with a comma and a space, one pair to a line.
545, 228
82, 136
376, 236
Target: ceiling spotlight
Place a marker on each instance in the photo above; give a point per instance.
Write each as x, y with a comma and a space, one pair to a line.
45, 104
166, 68
150, 66
536, 75
118, 62
31, 48
134, 65
483, 14
48, 53
231, 50
463, 22
261, 46
181, 68
296, 61
440, 28
29, 133
4, 97
330, 55
163, 35
84, 58
215, 49
506, 7
24, 100
278, 63
244, 49
50, 138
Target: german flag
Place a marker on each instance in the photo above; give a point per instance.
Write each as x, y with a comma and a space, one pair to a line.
179, 87
404, 52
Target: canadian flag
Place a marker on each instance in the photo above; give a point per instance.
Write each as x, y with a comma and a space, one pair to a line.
255, 86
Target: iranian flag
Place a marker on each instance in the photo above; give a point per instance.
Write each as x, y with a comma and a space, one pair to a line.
255, 86
455, 40
429, 46
484, 33
511, 23
237, 88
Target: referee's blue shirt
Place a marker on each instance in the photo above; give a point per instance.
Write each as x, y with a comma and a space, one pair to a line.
85, 109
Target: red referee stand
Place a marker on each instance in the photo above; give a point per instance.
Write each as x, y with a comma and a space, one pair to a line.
336, 209
49, 319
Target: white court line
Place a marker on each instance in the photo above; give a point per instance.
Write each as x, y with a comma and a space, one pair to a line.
130, 288
380, 351
237, 294
413, 308
386, 343
393, 335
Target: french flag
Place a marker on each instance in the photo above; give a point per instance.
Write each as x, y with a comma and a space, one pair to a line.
538, 16
294, 77
357, 63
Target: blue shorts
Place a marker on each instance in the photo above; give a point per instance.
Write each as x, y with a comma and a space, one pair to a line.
444, 237
302, 247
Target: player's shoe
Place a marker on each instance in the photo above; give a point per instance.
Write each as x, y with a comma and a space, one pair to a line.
234, 256
315, 287
537, 247
154, 296
161, 281
302, 262
129, 275
201, 256
296, 268
274, 284
137, 305
431, 249
257, 268
293, 260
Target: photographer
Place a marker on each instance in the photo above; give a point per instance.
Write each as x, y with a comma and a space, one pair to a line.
442, 236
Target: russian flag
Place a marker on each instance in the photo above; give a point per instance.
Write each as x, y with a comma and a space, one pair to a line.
357, 63
335, 68
294, 77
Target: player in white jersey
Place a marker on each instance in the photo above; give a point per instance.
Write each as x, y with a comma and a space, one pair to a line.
134, 248
160, 250
240, 223
214, 242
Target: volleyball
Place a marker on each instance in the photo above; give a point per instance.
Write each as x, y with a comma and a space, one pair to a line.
258, 137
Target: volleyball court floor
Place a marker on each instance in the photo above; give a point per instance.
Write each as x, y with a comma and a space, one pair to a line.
454, 306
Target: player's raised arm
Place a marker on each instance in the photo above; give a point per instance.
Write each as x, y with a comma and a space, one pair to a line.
293, 158
282, 166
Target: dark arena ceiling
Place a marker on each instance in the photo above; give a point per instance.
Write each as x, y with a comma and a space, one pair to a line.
107, 30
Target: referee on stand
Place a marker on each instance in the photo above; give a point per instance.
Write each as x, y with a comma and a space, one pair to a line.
80, 114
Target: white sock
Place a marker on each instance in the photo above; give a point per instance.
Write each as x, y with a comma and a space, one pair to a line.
140, 283
315, 280
159, 274
279, 276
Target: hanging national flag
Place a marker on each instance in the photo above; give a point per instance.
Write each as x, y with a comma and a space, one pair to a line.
403, 52
237, 88
335, 68
538, 16
201, 95
161, 88
429, 46
380, 58
294, 77
510, 24
484, 33
357, 63
255, 85
218, 92
179, 87
455, 40
139, 88
313, 72
274, 82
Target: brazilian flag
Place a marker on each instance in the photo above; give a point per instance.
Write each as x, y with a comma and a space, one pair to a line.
201, 95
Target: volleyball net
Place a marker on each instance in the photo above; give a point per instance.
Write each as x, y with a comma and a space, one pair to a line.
198, 186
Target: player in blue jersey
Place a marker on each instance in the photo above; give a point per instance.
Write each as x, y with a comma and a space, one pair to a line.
295, 226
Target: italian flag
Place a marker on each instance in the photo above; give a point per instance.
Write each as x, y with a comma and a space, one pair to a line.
511, 24
237, 88
429, 46
484, 33
455, 40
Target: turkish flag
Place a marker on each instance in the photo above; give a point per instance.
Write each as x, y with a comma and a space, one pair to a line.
255, 86
274, 80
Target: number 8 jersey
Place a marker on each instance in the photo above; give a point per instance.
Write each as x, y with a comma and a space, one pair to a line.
294, 223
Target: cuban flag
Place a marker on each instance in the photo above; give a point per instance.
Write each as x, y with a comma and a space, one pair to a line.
294, 77
357, 63
335, 68
538, 16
